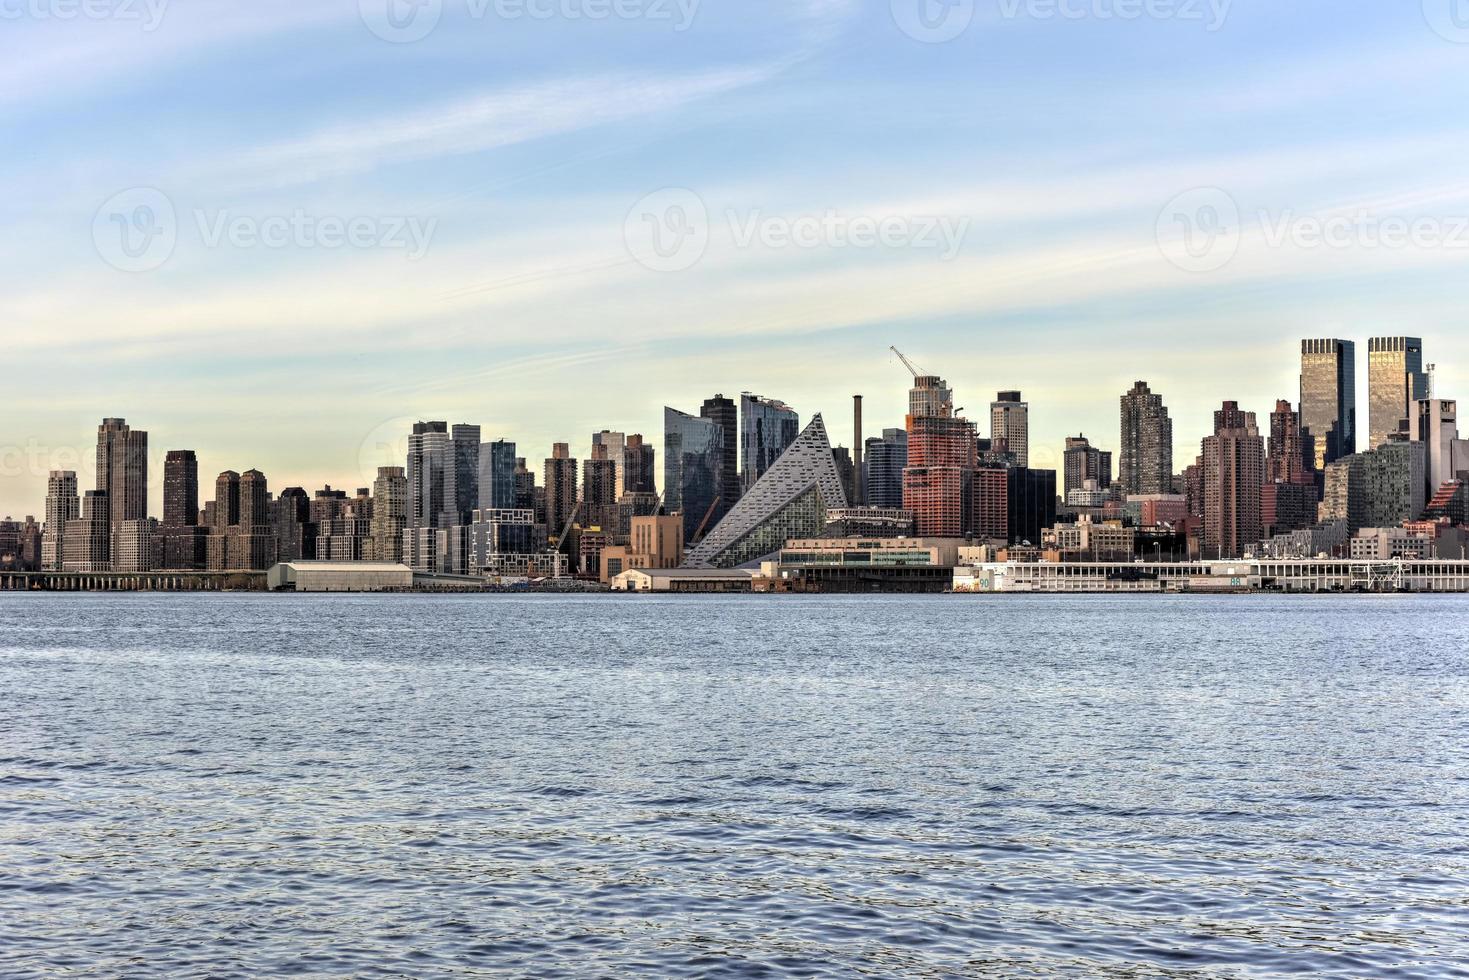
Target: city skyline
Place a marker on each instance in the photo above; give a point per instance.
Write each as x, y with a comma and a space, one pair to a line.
386, 443
527, 145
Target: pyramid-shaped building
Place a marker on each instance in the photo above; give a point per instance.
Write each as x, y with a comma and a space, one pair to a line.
789, 501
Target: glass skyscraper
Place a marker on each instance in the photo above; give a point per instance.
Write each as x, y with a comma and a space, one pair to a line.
767, 429
1329, 398
497, 476
1396, 382
693, 459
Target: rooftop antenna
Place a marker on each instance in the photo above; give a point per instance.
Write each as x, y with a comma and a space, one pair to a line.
1432, 371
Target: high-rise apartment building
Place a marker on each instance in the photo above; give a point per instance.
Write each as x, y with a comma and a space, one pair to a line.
767, 429
930, 398
1084, 462
390, 513
938, 481
693, 461
1329, 398
639, 460
599, 486
1435, 424
443, 486
180, 488
1396, 382
1146, 466
86, 546
561, 489
724, 413
1234, 475
1010, 426
1292, 459
62, 506
226, 509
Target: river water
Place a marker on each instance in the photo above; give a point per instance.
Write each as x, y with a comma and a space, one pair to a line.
253, 785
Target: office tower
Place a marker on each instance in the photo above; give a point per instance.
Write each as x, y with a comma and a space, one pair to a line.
616, 445
938, 480
497, 475
290, 518
767, 429
1234, 475
887, 457
693, 459
1010, 426
1435, 424
561, 489
1083, 462
1146, 465
599, 486
1287, 507
790, 501
390, 509
62, 506
1396, 382
1329, 398
86, 545
638, 462
122, 471
466, 439
180, 488
1394, 483
724, 413
859, 464
1032, 503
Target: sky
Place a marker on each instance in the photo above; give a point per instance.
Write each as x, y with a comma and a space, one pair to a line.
277, 232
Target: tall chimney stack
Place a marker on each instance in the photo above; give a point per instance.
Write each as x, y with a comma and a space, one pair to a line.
857, 449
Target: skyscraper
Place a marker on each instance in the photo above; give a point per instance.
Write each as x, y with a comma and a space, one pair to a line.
1291, 457
1435, 424
1396, 382
390, 511
1234, 475
886, 458
432, 498
466, 439
87, 542
767, 429
1329, 398
616, 443
497, 475
1146, 466
122, 471
938, 480
226, 500
180, 489
693, 457
1084, 462
599, 486
561, 489
639, 459
62, 505
1010, 426
724, 413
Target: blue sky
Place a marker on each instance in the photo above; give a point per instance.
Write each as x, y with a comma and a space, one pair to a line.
499, 172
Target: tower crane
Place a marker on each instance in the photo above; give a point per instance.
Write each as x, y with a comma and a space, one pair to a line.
917, 372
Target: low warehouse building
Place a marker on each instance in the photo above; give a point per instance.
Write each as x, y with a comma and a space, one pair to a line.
344, 576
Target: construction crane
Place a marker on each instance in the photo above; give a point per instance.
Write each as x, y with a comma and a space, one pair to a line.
699, 534
569, 521
917, 372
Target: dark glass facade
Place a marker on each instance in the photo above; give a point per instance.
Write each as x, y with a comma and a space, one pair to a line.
693, 457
